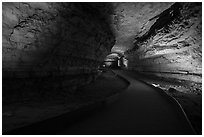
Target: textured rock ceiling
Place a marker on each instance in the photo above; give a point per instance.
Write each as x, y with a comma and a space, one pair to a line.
154, 37
129, 20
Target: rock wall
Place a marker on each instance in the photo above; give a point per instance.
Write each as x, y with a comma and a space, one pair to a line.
171, 46
54, 39
129, 19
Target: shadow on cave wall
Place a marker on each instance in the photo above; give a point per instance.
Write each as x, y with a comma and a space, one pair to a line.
53, 49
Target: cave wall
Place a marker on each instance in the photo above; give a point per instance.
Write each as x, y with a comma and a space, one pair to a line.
172, 46
129, 19
54, 39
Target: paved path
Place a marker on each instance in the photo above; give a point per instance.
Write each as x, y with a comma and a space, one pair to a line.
138, 110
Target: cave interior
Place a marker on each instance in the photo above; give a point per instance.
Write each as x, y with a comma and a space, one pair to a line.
50, 50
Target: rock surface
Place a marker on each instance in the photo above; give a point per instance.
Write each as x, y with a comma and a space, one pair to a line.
54, 36
53, 39
172, 46
130, 18
52, 47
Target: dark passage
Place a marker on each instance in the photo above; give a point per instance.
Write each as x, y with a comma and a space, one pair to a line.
102, 68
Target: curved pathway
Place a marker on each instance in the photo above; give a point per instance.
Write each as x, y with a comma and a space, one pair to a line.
138, 110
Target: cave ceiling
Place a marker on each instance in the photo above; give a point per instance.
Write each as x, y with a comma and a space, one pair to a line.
130, 20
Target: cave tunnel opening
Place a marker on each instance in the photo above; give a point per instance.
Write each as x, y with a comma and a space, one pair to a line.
53, 54
115, 61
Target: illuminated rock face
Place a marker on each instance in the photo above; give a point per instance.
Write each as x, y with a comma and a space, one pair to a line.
172, 46
60, 37
130, 18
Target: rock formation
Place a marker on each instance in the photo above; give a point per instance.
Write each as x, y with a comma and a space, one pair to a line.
129, 19
59, 39
53, 36
54, 39
170, 45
